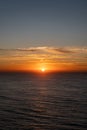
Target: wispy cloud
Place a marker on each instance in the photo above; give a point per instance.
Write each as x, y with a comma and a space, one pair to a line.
43, 51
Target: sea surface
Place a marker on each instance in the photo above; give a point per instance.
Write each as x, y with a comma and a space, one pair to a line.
48, 101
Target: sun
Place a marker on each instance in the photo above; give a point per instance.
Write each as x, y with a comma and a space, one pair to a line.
43, 69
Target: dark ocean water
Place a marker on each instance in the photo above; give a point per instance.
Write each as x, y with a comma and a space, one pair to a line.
43, 101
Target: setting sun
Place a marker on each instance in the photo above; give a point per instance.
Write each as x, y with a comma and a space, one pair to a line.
43, 69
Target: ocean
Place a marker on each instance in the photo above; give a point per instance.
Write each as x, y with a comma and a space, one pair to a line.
48, 101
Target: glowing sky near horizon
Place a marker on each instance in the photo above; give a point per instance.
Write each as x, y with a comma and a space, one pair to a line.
50, 33
49, 58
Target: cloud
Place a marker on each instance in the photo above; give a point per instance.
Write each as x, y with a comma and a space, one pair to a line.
48, 49
63, 54
58, 50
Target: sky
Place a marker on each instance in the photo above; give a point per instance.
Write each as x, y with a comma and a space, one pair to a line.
50, 33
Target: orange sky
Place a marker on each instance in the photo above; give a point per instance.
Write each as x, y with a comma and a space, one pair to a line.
50, 58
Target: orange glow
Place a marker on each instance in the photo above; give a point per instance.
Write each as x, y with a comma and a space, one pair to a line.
43, 62
43, 69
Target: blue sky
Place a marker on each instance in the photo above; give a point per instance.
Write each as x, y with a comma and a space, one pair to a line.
28, 23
